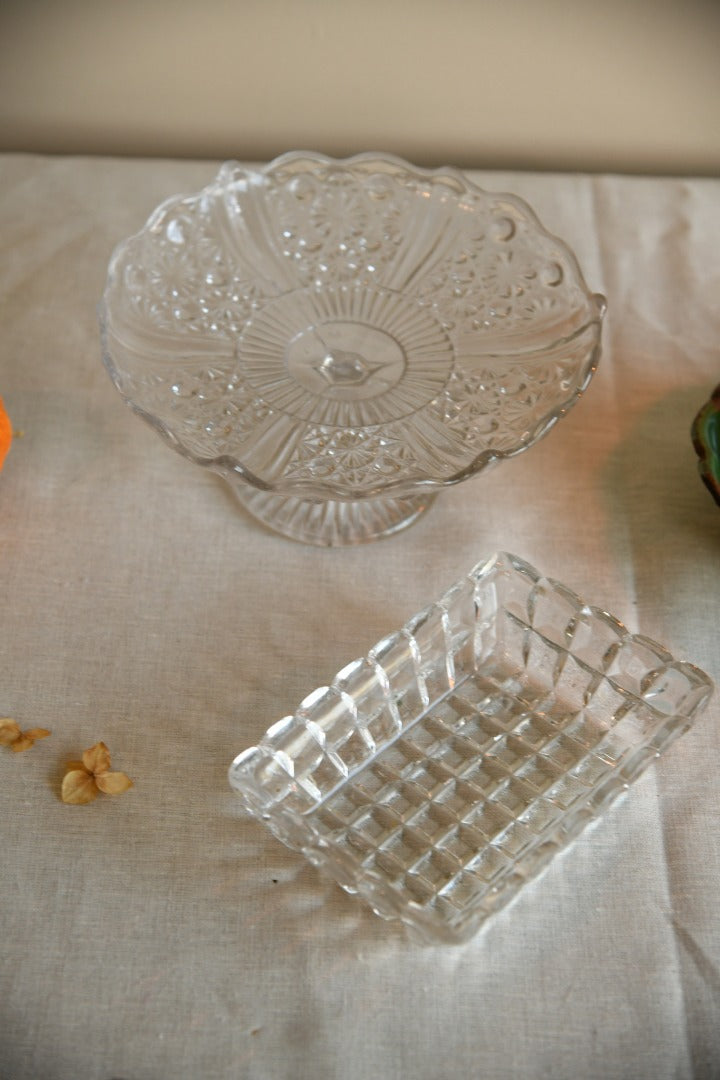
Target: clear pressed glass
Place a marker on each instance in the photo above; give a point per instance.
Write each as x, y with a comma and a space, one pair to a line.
438, 774
342, 339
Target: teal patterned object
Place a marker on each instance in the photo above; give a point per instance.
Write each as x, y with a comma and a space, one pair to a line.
706, 440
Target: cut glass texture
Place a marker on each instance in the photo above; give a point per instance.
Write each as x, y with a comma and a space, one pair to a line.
342, 339
440, 773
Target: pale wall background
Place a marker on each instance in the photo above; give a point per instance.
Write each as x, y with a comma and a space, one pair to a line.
619, 85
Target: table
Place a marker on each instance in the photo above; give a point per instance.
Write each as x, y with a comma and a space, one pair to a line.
158, 934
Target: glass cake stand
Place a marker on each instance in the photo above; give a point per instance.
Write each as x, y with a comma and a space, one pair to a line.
342, 339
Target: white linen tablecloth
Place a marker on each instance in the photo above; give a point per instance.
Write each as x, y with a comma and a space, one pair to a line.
157, 935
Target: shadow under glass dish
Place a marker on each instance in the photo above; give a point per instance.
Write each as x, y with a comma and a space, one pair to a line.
444, 770
342, 339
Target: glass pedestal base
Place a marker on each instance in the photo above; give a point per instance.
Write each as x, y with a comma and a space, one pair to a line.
332, 523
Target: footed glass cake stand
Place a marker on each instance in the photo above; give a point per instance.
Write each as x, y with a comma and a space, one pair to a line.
342, 339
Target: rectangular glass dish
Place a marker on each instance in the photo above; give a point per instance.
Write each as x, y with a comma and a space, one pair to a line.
441, 772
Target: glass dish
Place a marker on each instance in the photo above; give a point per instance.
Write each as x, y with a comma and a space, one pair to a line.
440, 773
342, 339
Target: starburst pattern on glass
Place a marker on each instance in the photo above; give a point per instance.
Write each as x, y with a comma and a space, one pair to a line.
282, 310
440, 773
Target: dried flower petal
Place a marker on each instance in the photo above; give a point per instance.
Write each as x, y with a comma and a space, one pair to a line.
78, 787
113, 783
9, 731
97, 758
84, 779
17, 740
23, 743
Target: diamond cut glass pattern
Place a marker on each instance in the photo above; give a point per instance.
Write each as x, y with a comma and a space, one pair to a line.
342, 339
440, 773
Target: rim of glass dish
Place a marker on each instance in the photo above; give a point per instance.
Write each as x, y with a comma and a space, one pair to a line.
229, 466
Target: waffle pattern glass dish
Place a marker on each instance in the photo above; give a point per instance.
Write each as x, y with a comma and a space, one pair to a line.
342, 339
439, 774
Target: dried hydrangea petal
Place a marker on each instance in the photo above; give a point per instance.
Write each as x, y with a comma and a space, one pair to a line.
78, 787
113, 783
97, 758
23, 742
9, 731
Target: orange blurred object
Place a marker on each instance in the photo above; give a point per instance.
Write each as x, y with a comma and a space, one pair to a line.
5, 433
